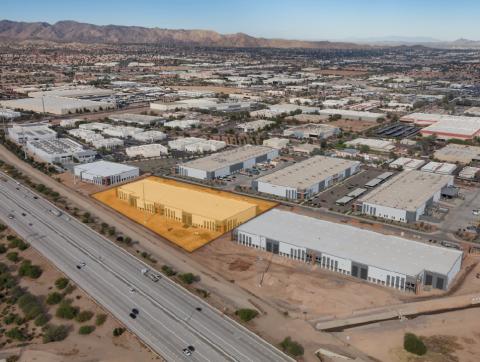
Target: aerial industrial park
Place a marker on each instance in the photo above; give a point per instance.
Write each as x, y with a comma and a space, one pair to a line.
183, 199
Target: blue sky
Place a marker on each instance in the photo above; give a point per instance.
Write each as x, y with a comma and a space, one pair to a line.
291, 19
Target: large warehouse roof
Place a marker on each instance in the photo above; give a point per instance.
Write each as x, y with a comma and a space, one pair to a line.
104, 168
458, 153
309, 172
466, 127
227, 158
54, 104
408, 190
187, 199
363, 246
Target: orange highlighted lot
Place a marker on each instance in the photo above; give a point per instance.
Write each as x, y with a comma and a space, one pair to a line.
188, 215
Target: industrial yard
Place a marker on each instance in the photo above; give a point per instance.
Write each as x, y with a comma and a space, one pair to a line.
206, 207
325, 196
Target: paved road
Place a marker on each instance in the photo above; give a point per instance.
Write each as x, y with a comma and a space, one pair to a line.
170, 317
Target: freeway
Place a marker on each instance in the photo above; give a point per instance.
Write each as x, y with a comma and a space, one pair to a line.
170, 318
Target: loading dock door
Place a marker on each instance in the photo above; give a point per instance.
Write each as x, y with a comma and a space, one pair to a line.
439, 284
355, 271
428, 279
272, 246
363, 273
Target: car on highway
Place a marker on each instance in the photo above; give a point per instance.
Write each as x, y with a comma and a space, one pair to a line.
154, 277
135, 311
35, 197
131, 290
81, 265
55, 212
23, 214
10, 216
133, 315
476, 212
188, 351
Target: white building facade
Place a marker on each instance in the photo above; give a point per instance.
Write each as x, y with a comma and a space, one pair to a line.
105, 173
356, 252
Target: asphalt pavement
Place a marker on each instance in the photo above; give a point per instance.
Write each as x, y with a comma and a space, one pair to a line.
170, 318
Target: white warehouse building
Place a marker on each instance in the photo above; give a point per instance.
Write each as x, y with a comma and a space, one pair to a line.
196, 145
304, 179
61, 150
385, 260
146, 151
31, 132
320, 131
405, 196
227, 162
149, 136
105, 173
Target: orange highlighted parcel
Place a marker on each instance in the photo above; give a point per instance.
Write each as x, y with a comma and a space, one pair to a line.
189, 216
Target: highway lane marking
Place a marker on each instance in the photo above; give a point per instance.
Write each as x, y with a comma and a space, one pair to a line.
75, 257
175, 288
180, 291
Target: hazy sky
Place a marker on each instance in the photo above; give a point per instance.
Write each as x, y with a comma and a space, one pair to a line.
293, 19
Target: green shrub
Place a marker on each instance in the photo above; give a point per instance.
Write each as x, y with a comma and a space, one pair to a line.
15, 242
246, 314
118, 331
66, 311
16, 333
3, 227
3, 268
19, 320
86, 329
187, 278
84, 316
53, 333
13, 358
69, 289
7, 281
14, 294
3, 249
291, 347
13, 257
168, 270
41, 320
101, 318
29, 270
54, 298
9, 319
30, 306
414, 344
61, 283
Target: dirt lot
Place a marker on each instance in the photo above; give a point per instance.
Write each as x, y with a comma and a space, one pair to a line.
302, 290
452, 337
353, 126
188, 238
97, 346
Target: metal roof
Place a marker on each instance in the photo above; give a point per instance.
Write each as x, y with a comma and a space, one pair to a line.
408, 190
308, 172
104, 168
363, 246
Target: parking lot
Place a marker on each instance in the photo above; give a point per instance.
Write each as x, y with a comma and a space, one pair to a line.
328, 198
460, 213
244, 179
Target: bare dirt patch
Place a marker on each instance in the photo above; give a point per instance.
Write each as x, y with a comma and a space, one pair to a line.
352, 125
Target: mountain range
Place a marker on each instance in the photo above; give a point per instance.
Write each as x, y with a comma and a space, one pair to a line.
74, 32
